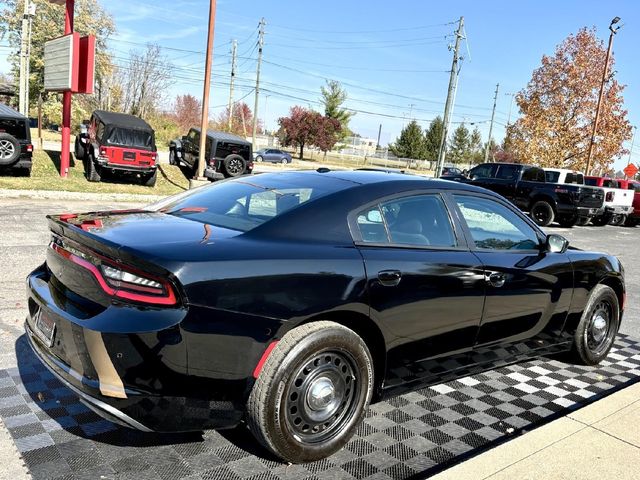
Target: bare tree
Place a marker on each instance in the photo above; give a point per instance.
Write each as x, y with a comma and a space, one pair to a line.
144, 80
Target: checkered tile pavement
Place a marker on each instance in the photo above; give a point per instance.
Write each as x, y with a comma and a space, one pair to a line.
413, 435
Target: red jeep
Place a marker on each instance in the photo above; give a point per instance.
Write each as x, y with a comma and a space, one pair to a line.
117, 143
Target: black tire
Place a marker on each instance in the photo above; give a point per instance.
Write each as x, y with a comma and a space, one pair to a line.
542, 213
631, 222
582, 221
149, 180
598, 326
9, 149
568, 221
234, 166
259, 158
80, 150
618, 219
92, 171
323, 356
284, 161
173, 157
600, 221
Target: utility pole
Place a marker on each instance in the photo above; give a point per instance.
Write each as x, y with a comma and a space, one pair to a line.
493, 114
453, 82
205, 95
23, 58
633, 140
234, 50
411, 105
379, 133
605, 72
512, 95
27, 62
255, 106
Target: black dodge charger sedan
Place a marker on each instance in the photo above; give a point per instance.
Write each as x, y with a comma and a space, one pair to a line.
292, 300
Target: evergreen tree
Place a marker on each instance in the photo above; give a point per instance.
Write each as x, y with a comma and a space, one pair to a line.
410, 143
475, 146
432, 138
460, 145
333, 97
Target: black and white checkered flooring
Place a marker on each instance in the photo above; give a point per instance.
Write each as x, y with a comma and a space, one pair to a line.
410, 436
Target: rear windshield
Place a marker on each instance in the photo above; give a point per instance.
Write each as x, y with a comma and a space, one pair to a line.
126, 137
15, 128
243, 204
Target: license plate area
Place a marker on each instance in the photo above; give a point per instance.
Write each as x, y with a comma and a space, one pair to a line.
129, 155
45, 327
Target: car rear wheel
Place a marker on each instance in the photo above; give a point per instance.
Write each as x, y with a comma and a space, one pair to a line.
234, 165
598, 326
9, 149
618, 220
312, 392
542, 213
92, 171
600, 221
150, 179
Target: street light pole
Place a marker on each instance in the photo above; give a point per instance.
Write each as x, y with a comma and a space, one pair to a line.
613, 31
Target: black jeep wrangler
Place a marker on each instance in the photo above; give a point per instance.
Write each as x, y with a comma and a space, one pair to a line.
16, 149
227, 155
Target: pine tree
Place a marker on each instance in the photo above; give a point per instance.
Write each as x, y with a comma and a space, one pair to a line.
460, 145
333, 97
432, 138
410, 143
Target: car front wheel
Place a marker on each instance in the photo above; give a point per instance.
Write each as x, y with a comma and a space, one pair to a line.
598, 326
312, 392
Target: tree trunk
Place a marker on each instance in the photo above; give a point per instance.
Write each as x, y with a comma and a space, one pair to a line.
301, 150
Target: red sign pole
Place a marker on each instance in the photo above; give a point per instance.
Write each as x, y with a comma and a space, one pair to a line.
66, 100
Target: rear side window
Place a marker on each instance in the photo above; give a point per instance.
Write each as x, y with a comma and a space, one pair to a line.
608, 183
536, 175
15, 128
420, 220
550, 177
576, 178
592, 182
508, 172
243, 205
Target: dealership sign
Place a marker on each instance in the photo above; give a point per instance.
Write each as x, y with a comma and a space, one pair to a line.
69, 64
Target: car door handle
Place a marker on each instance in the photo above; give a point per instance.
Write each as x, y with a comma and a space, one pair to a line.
496, 279
389, 278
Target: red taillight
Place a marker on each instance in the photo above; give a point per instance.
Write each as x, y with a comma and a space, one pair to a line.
103, 151
154, 156
119, 281
29, 148
610, 196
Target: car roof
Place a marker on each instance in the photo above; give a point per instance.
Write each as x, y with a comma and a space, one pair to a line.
7, 111
122, 120
229, 137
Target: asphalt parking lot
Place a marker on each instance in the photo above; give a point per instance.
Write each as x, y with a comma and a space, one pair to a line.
23, 238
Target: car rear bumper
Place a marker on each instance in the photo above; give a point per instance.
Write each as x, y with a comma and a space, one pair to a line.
582, 212
126, 168
136, 379
619, 210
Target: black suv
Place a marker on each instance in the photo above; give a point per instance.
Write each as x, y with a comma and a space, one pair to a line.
231, 155
16, 149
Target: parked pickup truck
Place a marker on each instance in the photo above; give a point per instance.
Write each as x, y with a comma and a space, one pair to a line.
618, 202
527, 188
633, 219
565, 176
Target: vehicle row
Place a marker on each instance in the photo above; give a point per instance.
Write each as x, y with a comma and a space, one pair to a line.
558, 195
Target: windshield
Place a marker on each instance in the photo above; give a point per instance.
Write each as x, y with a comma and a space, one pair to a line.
244, 204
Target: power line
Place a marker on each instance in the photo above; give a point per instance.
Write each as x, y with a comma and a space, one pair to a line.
421, 27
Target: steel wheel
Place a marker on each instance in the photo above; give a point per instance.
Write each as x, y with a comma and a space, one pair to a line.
7, 149
320, 396
598, 332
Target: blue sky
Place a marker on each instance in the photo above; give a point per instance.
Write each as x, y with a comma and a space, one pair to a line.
392, 57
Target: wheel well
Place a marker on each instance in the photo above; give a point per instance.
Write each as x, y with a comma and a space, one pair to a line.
616, 285
370, 333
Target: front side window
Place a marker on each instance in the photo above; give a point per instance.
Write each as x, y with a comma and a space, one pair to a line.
481, 171
507, 172
420, 220
494, 226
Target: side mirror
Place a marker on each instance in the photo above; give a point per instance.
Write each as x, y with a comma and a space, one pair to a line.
556, 244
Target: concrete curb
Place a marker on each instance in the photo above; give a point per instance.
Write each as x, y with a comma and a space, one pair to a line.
79, 196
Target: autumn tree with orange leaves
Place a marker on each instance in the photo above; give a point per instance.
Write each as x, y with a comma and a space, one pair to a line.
558, 109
